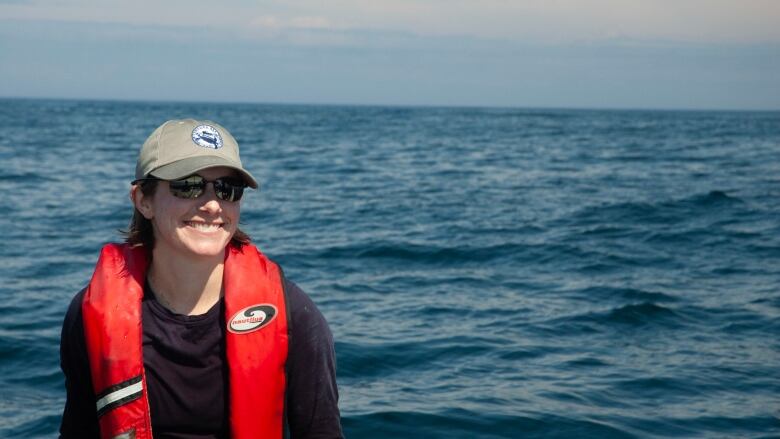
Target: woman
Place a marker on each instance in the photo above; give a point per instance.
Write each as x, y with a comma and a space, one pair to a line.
186, 330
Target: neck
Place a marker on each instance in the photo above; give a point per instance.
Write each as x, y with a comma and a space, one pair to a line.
188, 286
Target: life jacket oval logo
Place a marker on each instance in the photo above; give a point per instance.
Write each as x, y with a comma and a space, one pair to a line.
252, 318
207, 136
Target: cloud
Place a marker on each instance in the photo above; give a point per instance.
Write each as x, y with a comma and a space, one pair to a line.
276, 23
310, 23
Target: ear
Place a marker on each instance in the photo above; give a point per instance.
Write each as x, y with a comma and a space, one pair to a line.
141, 202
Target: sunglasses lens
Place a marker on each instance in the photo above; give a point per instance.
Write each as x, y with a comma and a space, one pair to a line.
190, 187
229, 189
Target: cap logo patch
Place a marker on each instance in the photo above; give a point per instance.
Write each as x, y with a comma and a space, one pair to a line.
252, 318
207, 136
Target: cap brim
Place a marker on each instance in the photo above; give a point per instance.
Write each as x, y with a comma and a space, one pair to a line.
189, 166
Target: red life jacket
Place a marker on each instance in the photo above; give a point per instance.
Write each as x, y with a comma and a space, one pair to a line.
256, 342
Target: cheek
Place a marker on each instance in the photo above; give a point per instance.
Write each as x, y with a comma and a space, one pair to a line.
167, 214
231, 210
235, 214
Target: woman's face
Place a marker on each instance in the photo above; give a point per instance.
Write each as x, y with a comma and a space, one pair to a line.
200, 226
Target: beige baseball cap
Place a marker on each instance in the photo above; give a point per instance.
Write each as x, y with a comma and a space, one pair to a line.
179, 148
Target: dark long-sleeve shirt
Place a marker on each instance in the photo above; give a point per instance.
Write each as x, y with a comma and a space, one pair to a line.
187, 375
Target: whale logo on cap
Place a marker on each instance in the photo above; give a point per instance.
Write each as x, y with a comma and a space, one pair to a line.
207, 136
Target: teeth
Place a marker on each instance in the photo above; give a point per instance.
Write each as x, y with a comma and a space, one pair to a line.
203, 227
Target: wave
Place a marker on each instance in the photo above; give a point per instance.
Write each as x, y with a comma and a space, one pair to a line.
383, 359
761, 426
24, 348
639, 314
460, 423
658, 212
669, 387
588, 361
575, 256
25, 177
418, 253
632, 315
773, 301
36, 426
616, 293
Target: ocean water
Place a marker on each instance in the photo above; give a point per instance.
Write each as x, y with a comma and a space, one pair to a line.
487, 273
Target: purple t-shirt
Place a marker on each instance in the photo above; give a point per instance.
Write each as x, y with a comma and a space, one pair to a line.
187, 376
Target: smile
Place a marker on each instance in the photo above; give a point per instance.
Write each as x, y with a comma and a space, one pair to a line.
203, 227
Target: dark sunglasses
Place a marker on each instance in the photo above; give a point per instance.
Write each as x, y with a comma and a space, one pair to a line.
226, 188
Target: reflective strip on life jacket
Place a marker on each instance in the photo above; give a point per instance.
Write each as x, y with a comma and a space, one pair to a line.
256, 352
119, 395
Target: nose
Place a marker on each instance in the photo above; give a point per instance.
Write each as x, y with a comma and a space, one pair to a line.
210, 202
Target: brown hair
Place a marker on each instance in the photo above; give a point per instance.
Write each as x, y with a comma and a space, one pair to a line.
141, 231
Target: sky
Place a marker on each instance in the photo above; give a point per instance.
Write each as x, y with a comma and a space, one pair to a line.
665, 54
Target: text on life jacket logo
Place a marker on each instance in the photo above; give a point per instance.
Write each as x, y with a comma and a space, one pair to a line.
252, 318
207, 136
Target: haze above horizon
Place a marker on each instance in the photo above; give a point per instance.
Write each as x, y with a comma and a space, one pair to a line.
664, 54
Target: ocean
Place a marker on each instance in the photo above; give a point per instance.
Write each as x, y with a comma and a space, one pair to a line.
486, 272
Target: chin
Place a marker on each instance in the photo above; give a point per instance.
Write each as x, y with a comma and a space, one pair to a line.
206, 246
212, 248
208, 250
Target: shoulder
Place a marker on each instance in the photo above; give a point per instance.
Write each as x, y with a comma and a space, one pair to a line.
297, 299
73, 314
303, 313
72, 343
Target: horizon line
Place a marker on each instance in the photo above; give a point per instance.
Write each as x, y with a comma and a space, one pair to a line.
392, 105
